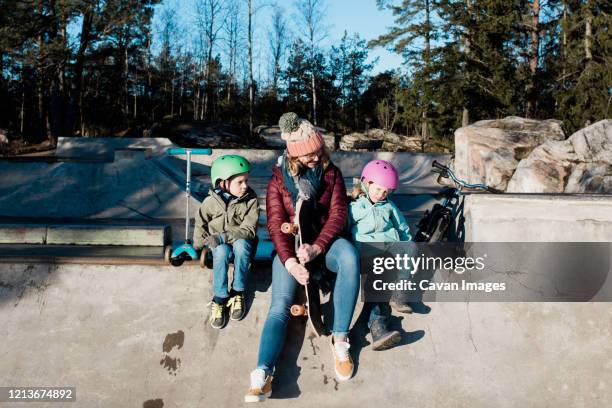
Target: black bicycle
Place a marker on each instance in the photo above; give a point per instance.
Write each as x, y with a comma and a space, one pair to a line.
445, 222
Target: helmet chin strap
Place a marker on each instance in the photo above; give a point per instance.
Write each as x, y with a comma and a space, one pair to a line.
366, 190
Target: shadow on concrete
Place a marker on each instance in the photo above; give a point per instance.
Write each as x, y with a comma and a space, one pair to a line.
395, 323
14, 283
129, 187
287, 371
359, 334
419, 307
259, 279
136, 187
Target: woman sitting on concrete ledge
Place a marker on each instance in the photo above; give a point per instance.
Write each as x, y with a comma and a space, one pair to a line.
305, 169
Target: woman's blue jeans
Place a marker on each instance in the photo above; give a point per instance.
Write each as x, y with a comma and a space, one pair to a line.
341, 258
242, 250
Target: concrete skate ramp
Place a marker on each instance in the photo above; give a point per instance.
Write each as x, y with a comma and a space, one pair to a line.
139, 183
104, 147
414, 168
134, 336
130, 187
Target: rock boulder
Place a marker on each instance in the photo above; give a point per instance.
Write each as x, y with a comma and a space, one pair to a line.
379, 139
489, 151
580, 164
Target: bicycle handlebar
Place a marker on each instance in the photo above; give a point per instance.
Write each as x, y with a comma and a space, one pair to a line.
446, 172
440, 168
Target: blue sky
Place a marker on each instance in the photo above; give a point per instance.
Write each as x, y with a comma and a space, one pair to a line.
364, 18
355, 16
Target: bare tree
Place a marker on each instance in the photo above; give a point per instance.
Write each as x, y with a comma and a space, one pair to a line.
588, 32
168, 34
465, 117
386, 111
85, 38
210, 21
252, 10
232, 40
250, 36
278, 40
311, 14
186, 63
427, 55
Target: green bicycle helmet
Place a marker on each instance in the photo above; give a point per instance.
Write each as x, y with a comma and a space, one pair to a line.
228, 166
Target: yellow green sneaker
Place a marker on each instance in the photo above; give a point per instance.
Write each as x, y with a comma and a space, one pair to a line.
236, 305
218, 317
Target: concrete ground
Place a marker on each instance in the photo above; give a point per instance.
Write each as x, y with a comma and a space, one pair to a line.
132, 336
135, 335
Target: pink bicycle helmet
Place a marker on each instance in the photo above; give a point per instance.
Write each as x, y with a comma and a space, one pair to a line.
380, 172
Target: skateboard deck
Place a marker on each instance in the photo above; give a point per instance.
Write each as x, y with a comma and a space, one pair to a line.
309, 301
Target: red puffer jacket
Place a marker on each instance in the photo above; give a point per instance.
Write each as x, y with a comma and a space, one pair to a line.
333, 209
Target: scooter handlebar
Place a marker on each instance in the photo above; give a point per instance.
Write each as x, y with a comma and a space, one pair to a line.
174, 151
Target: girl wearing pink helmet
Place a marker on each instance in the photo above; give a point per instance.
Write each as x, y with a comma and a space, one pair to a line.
375, 218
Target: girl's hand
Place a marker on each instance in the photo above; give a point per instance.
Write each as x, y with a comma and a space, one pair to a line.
307, 252
300, 273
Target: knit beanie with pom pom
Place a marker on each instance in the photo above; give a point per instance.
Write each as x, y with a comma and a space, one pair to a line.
301, 136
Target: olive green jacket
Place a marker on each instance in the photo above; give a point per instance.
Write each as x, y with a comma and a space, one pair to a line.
234, 220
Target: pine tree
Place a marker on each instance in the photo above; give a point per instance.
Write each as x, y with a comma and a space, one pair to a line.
585, 84
477, 67
415, 37
296, 76
349, 67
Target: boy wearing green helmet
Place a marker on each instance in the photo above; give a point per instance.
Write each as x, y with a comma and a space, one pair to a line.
227, 225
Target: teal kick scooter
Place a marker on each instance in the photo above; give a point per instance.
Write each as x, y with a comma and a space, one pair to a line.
186, 251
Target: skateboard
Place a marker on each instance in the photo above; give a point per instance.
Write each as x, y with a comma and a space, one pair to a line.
308, 299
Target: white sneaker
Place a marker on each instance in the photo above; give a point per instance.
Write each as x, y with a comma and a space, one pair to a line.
343, 364
261, 386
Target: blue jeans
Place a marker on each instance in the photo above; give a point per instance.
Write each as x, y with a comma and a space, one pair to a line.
382, 310
242, 250
342, 259
378, 311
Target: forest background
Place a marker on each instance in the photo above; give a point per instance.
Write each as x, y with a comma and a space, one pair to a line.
102, 68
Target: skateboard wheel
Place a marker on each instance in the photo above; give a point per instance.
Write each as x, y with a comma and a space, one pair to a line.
298, 310
286, 228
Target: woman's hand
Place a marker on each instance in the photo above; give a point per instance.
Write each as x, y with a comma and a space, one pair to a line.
307, 252
300, 273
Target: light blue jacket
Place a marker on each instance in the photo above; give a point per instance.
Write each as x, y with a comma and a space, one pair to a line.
380, 222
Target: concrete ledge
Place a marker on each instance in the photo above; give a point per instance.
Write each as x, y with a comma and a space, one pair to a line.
84, 234
22, 234
538, 218
107, 235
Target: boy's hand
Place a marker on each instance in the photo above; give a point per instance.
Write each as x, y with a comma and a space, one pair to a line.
212, 241
307, 252
300, 273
